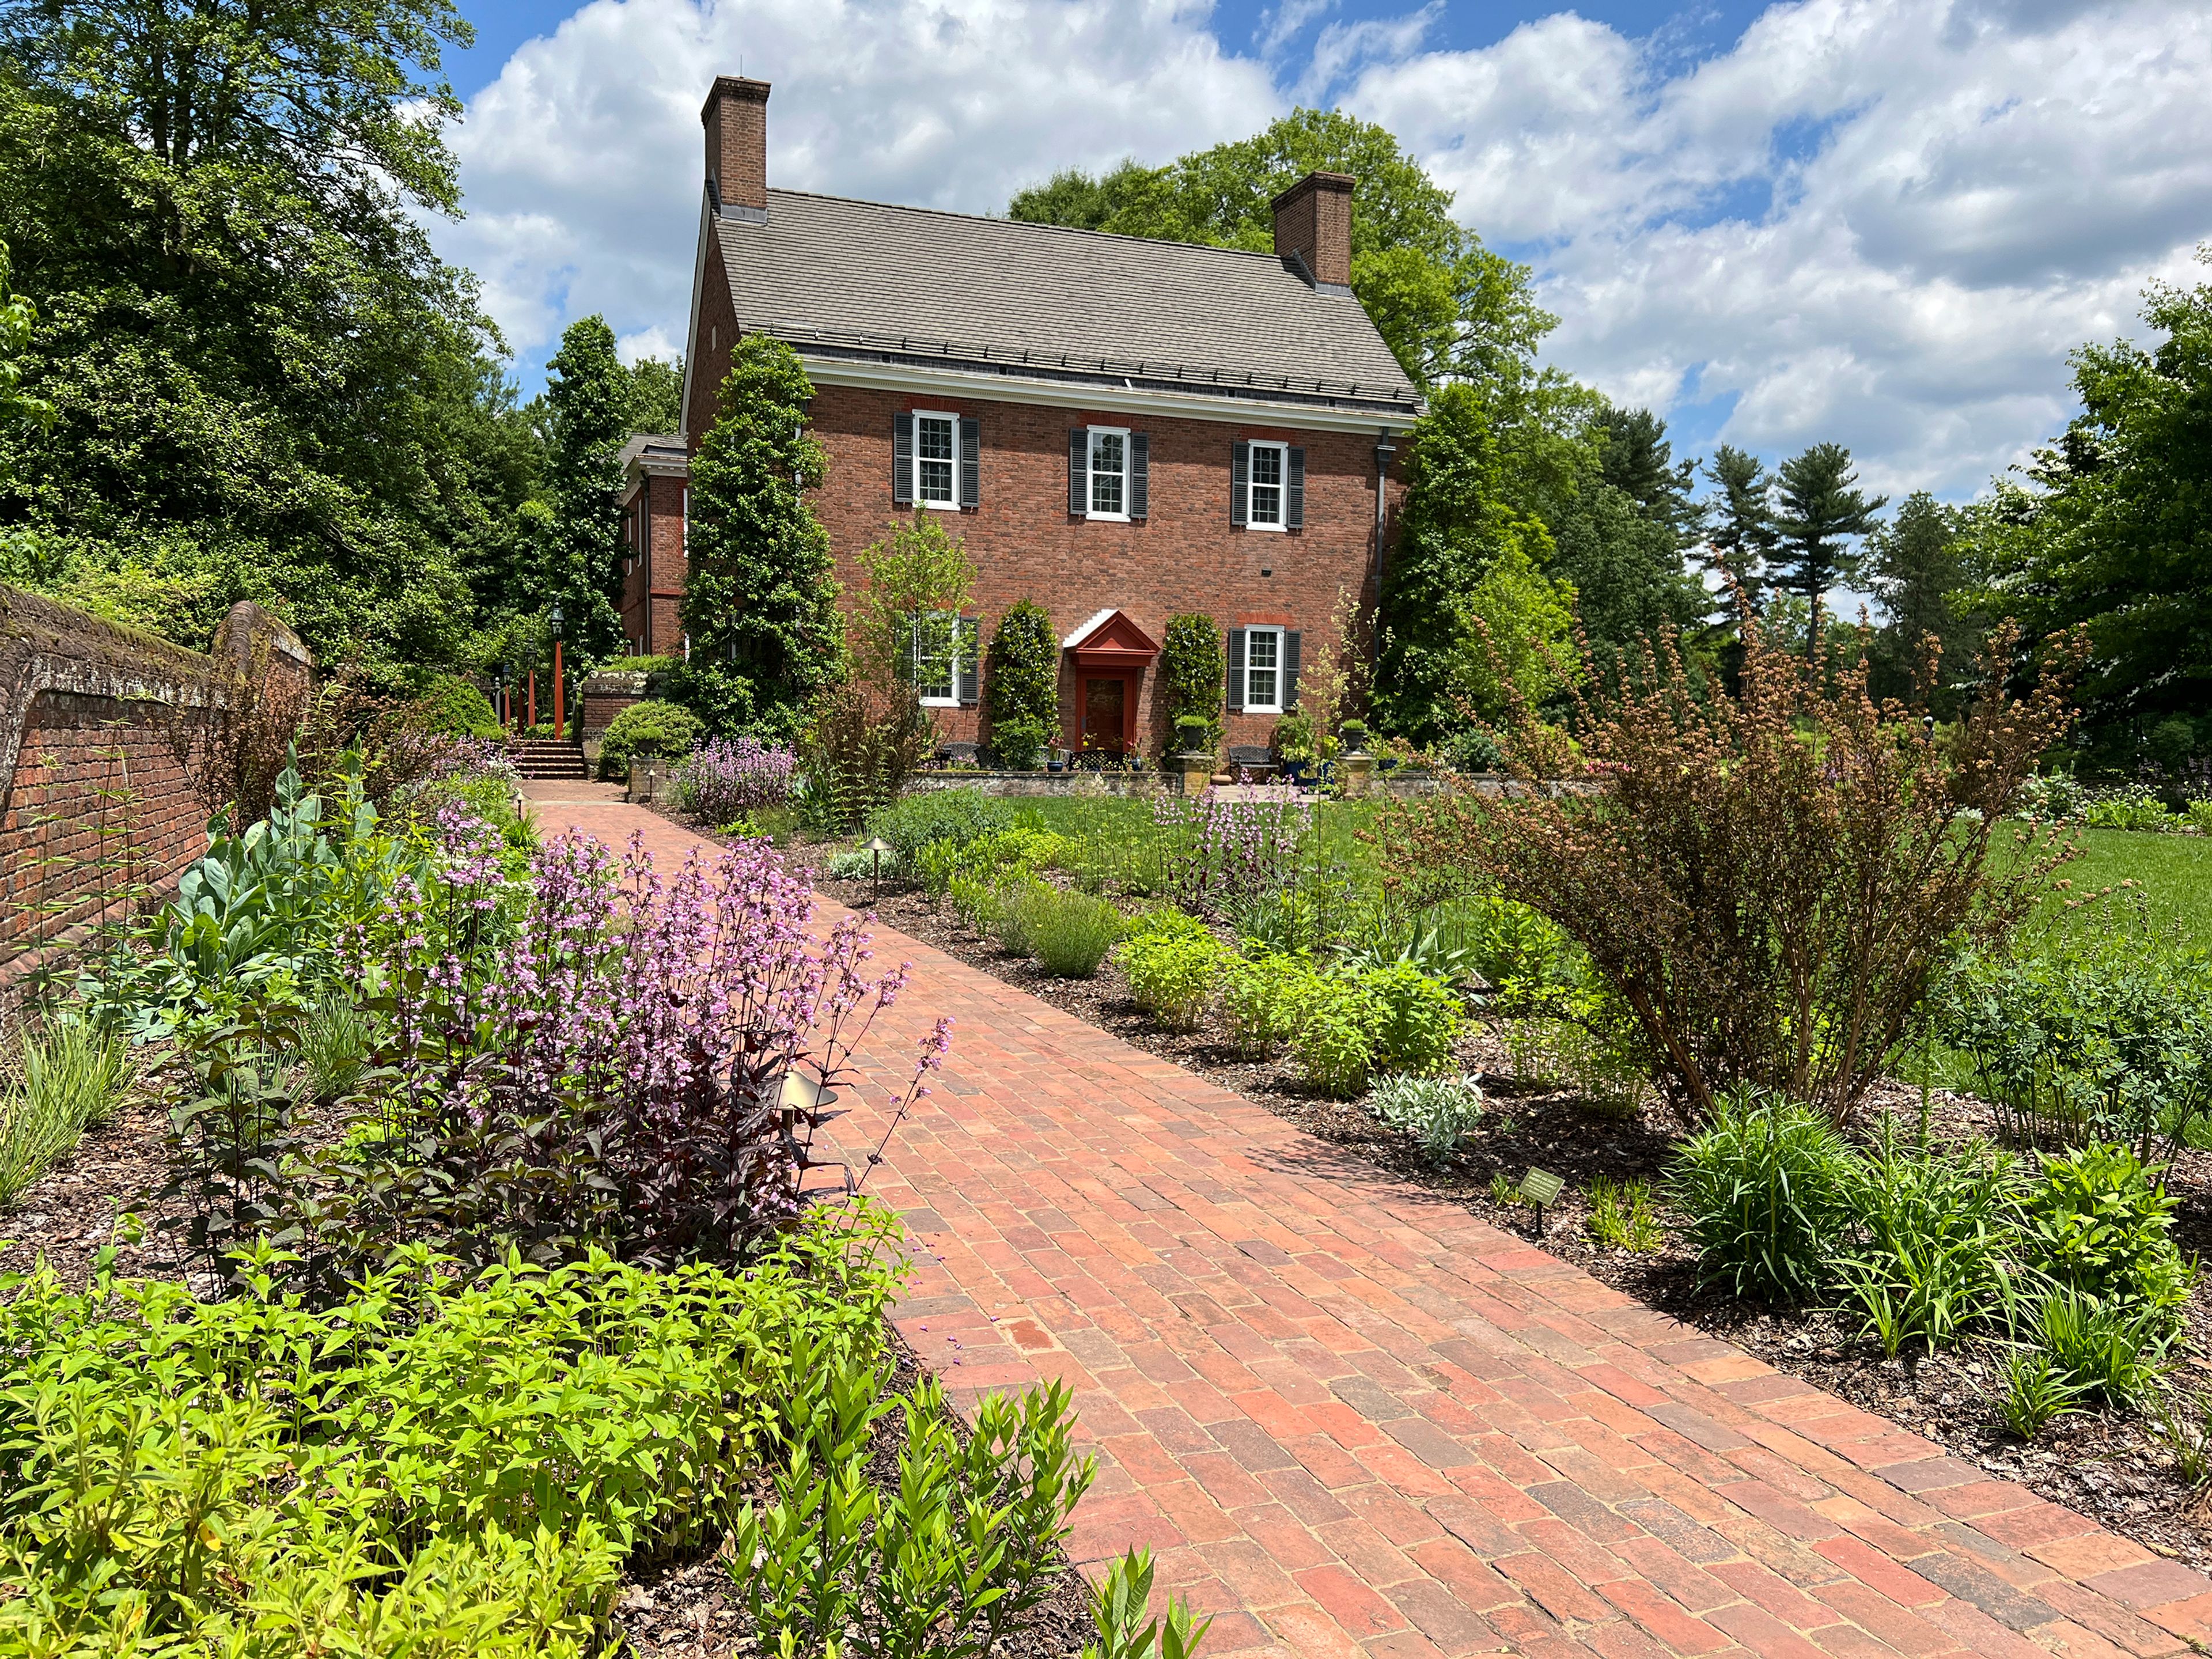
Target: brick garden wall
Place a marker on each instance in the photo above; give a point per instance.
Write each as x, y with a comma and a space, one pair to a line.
101, 727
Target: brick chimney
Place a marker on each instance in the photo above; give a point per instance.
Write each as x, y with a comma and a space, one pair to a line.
1312, 229
736, 119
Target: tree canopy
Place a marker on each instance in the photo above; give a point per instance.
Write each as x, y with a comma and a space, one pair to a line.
1446, 304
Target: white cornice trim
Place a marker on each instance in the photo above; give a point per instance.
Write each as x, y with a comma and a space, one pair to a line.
1070, 394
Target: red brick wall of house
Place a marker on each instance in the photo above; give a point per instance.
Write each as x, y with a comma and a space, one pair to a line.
1185, 556
653, 592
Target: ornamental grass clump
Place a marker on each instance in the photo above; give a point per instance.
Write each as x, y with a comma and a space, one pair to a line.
1767, 1186
1070, 933
1767, 880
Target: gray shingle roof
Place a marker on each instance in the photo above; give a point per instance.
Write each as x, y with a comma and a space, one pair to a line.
837, 277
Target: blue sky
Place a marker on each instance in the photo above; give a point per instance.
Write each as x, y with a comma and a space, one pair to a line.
1882, 221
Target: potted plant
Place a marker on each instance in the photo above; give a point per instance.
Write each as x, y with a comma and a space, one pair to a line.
1294, 743
1354, 734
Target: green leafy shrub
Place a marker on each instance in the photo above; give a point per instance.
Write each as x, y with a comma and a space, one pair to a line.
2133, 807
647, 730
2098, 1223
636, 665
1334, 1035
1438, 1112
1767, 1186
1021, 683
1623, 1216
1119, 1605
1172, 977
1167, 922
2103, 1034
940, 1566
1070, 933
415, 1459
1261, 997
63, 1077
448, 704
1019, 848
913, 822
1194, 671
1416, 1018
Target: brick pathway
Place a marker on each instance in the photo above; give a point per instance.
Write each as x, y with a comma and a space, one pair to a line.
1352, 1419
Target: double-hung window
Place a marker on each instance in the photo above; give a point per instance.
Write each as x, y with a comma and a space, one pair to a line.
1263, 671
936, 642
1270, 479
1110, 472
936, 459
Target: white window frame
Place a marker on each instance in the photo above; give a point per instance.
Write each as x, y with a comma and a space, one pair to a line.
1281, 486
1273, 706
914, 484
950, 620
1091, 476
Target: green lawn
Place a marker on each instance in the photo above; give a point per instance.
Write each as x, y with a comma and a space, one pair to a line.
2174, 872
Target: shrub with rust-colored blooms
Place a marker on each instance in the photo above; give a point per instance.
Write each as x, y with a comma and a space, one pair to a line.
1767, 880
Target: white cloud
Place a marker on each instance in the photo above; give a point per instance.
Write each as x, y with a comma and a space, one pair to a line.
1884, 222
1880, 220
582, 162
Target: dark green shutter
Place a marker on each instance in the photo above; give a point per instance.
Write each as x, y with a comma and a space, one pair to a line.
1078, 471
971, 630
1140, 468
902, 458
1240, 480
971, 460
1294, 505
1236, 666
1289, 697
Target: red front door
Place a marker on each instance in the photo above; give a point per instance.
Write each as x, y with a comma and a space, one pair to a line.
1105, 712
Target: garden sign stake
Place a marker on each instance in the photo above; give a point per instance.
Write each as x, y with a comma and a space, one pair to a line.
1541, 1187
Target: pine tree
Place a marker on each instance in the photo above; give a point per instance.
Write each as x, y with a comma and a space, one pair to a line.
1819, 511
1742, 538
761, 604
1917, 564
588, 397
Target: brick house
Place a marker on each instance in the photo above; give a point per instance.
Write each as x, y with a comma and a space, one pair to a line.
654, 471
1121, 430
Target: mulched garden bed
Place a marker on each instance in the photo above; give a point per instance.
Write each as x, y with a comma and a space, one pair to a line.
684, 1608
2109, 1465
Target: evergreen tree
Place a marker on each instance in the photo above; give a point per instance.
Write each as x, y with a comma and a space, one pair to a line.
587, 403
1635, 458
1916, 563
1742, 538
1819, 511
761, 604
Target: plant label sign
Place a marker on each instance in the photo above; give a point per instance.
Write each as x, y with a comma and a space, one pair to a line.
1541, 1187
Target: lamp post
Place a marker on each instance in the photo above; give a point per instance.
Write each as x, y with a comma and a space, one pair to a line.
499, 697
559, 712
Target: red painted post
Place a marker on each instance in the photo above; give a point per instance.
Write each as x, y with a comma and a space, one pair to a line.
533, 699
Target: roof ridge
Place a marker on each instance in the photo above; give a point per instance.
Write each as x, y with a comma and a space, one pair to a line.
1033, 224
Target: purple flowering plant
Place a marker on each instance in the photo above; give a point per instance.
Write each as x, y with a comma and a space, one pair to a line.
720, 780
644, 1061
1233, 842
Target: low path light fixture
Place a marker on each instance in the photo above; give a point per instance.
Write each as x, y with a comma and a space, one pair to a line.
875, 848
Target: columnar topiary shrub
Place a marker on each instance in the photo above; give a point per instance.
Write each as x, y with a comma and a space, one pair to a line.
1021, 685
1768, 879
1194, 672
761, 603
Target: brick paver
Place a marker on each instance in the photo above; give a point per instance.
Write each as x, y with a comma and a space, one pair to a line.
1352, 1419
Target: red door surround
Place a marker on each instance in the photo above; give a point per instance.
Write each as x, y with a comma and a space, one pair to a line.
1107, 648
